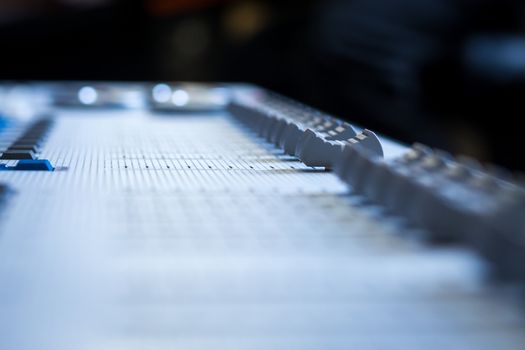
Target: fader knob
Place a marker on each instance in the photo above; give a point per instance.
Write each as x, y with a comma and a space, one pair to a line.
290, 137
341, 132
347, 161
368, 140
277, 131
352, 164
314, 151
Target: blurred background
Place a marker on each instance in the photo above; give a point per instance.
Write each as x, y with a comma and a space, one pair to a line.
448, 73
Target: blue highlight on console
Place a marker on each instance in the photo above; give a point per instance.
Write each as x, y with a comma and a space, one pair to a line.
29, 164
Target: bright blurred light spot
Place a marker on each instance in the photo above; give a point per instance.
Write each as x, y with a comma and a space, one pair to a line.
87, 95
180, 98
133, 99
161, 93
220, 95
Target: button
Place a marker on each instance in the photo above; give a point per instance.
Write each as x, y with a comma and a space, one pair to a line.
40, 165
24, 146
17, 155
30, 165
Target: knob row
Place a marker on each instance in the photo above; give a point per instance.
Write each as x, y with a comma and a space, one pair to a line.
451, 200
316, 139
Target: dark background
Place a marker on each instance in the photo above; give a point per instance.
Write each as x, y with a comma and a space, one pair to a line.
449, 73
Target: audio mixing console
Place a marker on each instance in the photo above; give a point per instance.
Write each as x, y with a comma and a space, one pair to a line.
181, 216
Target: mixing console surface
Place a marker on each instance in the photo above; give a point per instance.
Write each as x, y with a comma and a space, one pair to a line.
187, 230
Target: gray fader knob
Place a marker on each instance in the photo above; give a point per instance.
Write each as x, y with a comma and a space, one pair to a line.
386, 175
278, 131
293, 132
265, 125
369, 166
276, 120
368, 140
405, 180
354, 164
316, 151
289, 139
334, 132
341, 132
346, 163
